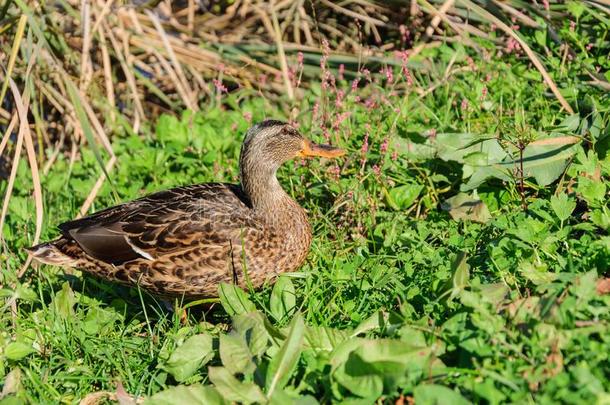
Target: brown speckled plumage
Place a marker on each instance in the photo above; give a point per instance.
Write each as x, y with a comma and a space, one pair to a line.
185, 241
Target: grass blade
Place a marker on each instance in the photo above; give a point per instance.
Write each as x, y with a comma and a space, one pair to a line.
14, 51
281, 366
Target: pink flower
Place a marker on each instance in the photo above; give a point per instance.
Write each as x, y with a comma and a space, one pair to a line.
471, 63
404, 57
589, 46
572, 26
464, 104
367, 74
316, 108
334, 171
365, 144
355, 84
389, 75
394, 155
546, 5
340, 118
341, 71
219, 86
377, 170
300, 59
432, 133
484, 93
248, 116
512, 45
339, 99
384, 146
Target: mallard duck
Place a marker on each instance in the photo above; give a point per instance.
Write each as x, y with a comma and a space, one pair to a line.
184, 241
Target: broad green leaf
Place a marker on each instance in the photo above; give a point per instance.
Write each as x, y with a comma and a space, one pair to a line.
234, 300
493, 293
195, 352
461, 274
392, 355
456, 146
234, 390
251, 326
593, 192
283, 363
373, 322
433, 394
359, 379
402, 197
283, 298
414, 150
462, 206
601, 217
235, 354
545, 161
187, 395
281, 397
18, 350
478, 175
540, 36
571, 123
323, 337
585, 285
536, 273
563, 206
98, 319
64, 301
370, 367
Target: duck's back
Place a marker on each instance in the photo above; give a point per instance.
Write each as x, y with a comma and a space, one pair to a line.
183, 241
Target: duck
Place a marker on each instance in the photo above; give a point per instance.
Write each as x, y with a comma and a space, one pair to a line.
184, 242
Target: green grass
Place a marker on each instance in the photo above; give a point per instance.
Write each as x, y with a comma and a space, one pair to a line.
397, 298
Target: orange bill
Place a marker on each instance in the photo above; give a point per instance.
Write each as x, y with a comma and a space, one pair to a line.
313, 149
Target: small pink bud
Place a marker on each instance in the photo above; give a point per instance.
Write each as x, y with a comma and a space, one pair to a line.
464, 104
219, 86
377, 170
384, 145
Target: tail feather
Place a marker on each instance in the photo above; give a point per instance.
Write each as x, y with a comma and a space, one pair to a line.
51, 253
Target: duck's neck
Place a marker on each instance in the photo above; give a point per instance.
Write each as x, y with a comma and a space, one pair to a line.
275, 207
267, 196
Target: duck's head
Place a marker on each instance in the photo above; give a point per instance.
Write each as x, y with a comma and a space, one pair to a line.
269, 144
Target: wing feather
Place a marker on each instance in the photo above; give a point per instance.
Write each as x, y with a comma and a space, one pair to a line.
162, 223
